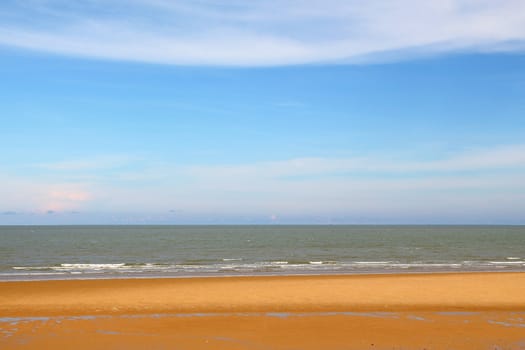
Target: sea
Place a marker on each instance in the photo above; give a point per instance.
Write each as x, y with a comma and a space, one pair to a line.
89, 252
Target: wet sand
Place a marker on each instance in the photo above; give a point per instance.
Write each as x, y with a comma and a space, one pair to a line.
412, 311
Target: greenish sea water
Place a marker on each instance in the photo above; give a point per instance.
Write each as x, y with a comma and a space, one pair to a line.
49, 252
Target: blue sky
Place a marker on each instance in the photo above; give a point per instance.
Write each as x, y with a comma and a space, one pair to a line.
262, 112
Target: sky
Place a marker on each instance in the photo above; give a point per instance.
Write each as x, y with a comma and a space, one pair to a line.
262, 112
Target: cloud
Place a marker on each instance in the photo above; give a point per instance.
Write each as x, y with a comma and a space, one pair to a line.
473, 185
23, 194
262, 33
90, 164
475, 181
503, 157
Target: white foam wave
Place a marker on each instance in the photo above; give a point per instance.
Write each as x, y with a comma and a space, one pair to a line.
32, 267
90, 266
31, 273
506, 262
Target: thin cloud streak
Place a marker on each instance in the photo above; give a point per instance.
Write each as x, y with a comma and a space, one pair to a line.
504, 157
90, 164
263, 33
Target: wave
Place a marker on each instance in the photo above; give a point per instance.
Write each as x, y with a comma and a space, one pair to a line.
92, 266
505, 262
237, 265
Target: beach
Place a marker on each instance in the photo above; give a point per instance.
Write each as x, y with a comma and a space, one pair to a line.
376, 311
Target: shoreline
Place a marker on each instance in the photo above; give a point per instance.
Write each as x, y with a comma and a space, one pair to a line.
138, 275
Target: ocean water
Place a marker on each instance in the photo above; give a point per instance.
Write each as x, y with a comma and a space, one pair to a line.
62, 252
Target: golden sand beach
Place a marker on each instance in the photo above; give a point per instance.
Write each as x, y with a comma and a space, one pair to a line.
391, 311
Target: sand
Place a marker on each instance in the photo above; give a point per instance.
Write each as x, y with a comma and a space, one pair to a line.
411, 311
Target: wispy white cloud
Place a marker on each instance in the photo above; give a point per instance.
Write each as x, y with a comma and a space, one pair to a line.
251, 33
94, 163
504, 157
